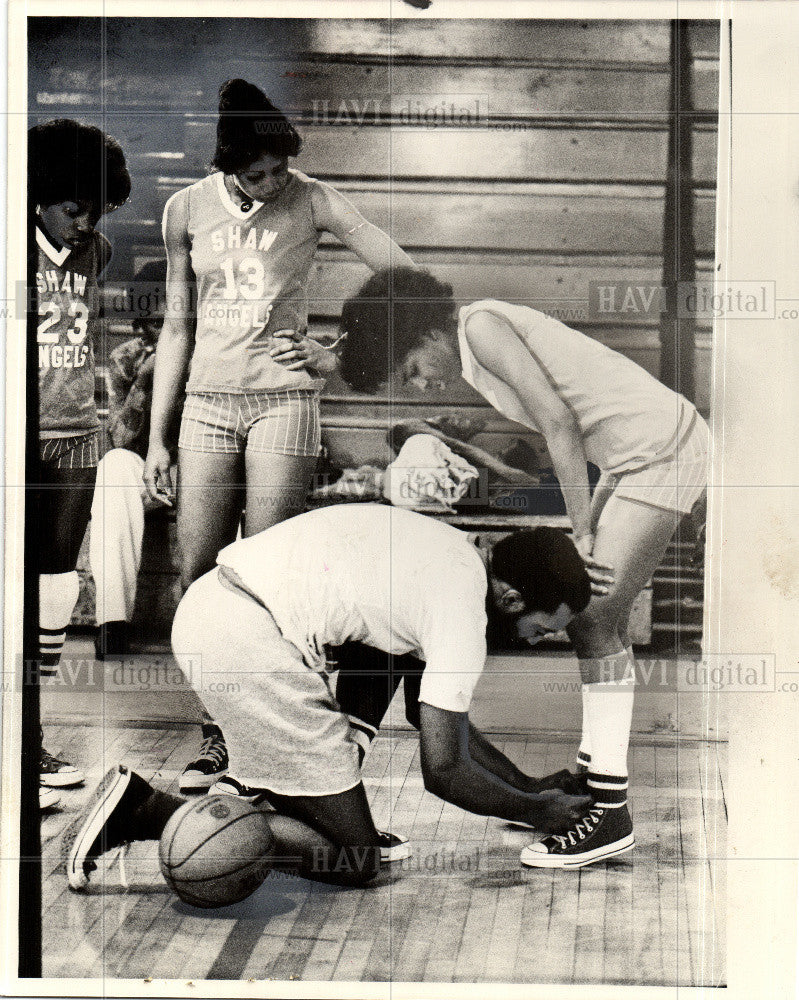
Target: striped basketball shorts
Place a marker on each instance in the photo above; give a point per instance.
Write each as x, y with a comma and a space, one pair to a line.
279, 422
81, 451
673, 483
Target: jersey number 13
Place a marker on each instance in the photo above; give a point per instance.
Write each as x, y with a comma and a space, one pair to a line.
248, 283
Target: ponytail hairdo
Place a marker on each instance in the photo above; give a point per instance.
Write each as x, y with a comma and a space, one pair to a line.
250, 125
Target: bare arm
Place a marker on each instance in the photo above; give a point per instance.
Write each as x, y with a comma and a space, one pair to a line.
173, 353
499, 350
334, 213
450, 772
494, 760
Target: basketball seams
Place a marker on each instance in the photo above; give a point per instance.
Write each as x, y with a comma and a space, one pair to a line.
226, 874
167, 852
173, 866
209, 881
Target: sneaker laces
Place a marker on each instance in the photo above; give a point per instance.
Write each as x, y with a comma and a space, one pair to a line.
581, 828
116, 854
231, 785
213, 748
120, 855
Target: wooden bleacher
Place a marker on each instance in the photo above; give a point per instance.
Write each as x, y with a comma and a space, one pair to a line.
550, 175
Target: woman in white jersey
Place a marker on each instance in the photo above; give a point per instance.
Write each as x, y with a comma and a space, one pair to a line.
240, 244
590, 404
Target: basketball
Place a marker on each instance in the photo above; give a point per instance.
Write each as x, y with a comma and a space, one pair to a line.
216, 851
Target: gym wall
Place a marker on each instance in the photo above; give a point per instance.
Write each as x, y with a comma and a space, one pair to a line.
517, 159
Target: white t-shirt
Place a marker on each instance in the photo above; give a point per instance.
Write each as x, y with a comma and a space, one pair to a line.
393, 579
627, 418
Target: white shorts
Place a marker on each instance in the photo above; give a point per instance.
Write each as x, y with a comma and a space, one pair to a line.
673, 483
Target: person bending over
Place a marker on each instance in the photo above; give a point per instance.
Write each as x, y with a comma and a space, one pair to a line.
590, 404
252, 634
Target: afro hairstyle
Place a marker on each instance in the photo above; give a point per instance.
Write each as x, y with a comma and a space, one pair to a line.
71, 161
543, 564
386, 319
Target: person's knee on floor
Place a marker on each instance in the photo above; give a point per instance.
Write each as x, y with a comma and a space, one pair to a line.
334, 835
327, 838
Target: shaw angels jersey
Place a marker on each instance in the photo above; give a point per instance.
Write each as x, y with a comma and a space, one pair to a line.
251, 269
68, 306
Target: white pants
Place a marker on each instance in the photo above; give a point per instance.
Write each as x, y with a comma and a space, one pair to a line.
280, 717
115, 536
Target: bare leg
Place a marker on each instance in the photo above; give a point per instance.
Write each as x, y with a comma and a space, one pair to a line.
65, 500
632, 538
330, 838
277, 487
602, 493
210, 495
210, 501
65, 503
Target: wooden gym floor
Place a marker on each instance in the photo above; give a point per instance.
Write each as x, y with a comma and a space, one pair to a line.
462, 909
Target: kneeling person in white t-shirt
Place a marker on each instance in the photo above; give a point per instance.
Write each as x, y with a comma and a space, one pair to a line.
252, 634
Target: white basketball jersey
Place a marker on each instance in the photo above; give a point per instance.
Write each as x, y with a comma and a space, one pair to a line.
251, 269
627, 418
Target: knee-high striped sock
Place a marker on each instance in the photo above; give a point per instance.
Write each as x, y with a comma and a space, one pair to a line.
58, 595
610, 708
584, 753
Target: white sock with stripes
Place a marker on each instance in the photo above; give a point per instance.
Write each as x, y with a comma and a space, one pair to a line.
609, 705
58, 595
584, 753
362, 734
